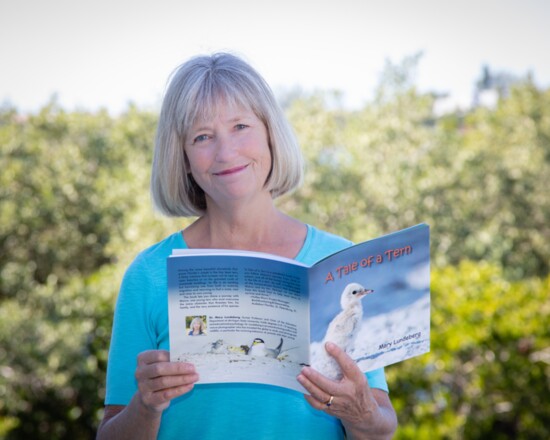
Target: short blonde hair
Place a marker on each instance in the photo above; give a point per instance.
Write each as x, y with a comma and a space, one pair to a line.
200, 321
195, 89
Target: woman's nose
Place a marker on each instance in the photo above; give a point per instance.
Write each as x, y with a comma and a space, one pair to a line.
225, 148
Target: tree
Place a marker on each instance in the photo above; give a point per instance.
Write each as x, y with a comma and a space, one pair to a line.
487, 373
478, 179
74, 202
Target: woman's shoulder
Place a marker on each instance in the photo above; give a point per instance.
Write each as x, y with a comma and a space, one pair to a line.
144, 279
328, 238
155, 255
319, 244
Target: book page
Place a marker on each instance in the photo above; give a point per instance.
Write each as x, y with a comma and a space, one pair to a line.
239, 318
390, 321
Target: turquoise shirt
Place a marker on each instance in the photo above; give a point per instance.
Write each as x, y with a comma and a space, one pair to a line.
213, 411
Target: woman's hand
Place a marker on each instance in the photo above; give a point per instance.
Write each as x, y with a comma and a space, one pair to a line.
364, 412
160, 381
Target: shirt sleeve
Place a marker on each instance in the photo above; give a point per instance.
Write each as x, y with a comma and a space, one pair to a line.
132, 333
377, 379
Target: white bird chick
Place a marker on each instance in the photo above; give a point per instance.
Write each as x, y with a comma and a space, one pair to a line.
218, 347
258, 348
342, 330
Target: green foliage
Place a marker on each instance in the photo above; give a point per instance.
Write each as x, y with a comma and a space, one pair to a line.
54, 354
74, 209
509, 160
364, 166
74, 202
488, 372
479, 180
57, 216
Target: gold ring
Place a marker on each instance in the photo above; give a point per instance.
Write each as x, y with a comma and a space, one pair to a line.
329, 402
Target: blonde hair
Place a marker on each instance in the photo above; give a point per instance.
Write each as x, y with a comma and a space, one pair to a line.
200, 321
195, 89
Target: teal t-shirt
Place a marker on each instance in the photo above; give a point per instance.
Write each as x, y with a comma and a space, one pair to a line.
213, 411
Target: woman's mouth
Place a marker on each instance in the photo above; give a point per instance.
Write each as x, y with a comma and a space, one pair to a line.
230, 171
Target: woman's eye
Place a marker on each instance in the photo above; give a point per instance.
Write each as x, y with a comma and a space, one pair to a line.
240, 126
200, 138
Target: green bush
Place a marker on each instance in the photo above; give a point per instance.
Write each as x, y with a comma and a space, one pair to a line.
488, 372
74, 208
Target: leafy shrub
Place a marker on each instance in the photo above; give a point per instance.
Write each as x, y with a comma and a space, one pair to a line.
488, 372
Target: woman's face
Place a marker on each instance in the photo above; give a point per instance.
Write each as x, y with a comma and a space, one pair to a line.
196, 325
229, 155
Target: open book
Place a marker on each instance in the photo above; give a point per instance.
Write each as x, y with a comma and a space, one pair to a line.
254, 317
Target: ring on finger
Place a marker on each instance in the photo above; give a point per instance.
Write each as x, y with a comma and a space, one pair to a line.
329, 401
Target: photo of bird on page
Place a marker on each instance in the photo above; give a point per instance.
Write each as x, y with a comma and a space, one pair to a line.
374, 305
251, 316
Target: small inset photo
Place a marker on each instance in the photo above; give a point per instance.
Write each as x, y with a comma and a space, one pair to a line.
195, 325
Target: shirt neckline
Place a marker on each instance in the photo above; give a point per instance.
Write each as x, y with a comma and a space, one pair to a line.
299, 256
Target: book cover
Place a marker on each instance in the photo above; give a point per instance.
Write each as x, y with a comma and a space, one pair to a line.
252, 317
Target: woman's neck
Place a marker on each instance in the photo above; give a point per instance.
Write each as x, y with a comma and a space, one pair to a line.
261, 228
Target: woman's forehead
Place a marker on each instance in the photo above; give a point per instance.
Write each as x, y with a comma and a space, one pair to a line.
221, 108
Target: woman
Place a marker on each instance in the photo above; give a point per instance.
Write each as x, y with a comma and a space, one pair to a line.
197, 327
224, 152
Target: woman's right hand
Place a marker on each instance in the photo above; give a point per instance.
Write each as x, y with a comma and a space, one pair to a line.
160, 381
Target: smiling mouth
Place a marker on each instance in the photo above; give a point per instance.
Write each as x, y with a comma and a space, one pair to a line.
230, 171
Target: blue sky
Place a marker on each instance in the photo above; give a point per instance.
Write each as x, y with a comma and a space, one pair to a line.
106, 53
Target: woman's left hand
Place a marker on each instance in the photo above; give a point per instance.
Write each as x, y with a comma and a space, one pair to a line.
364, 412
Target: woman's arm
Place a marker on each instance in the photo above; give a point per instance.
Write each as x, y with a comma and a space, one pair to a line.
366, 413
379, 421
159, 381
129, 422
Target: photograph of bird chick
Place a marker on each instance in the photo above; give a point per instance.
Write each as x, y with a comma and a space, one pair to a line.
220, 347
342, 330
259, 348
